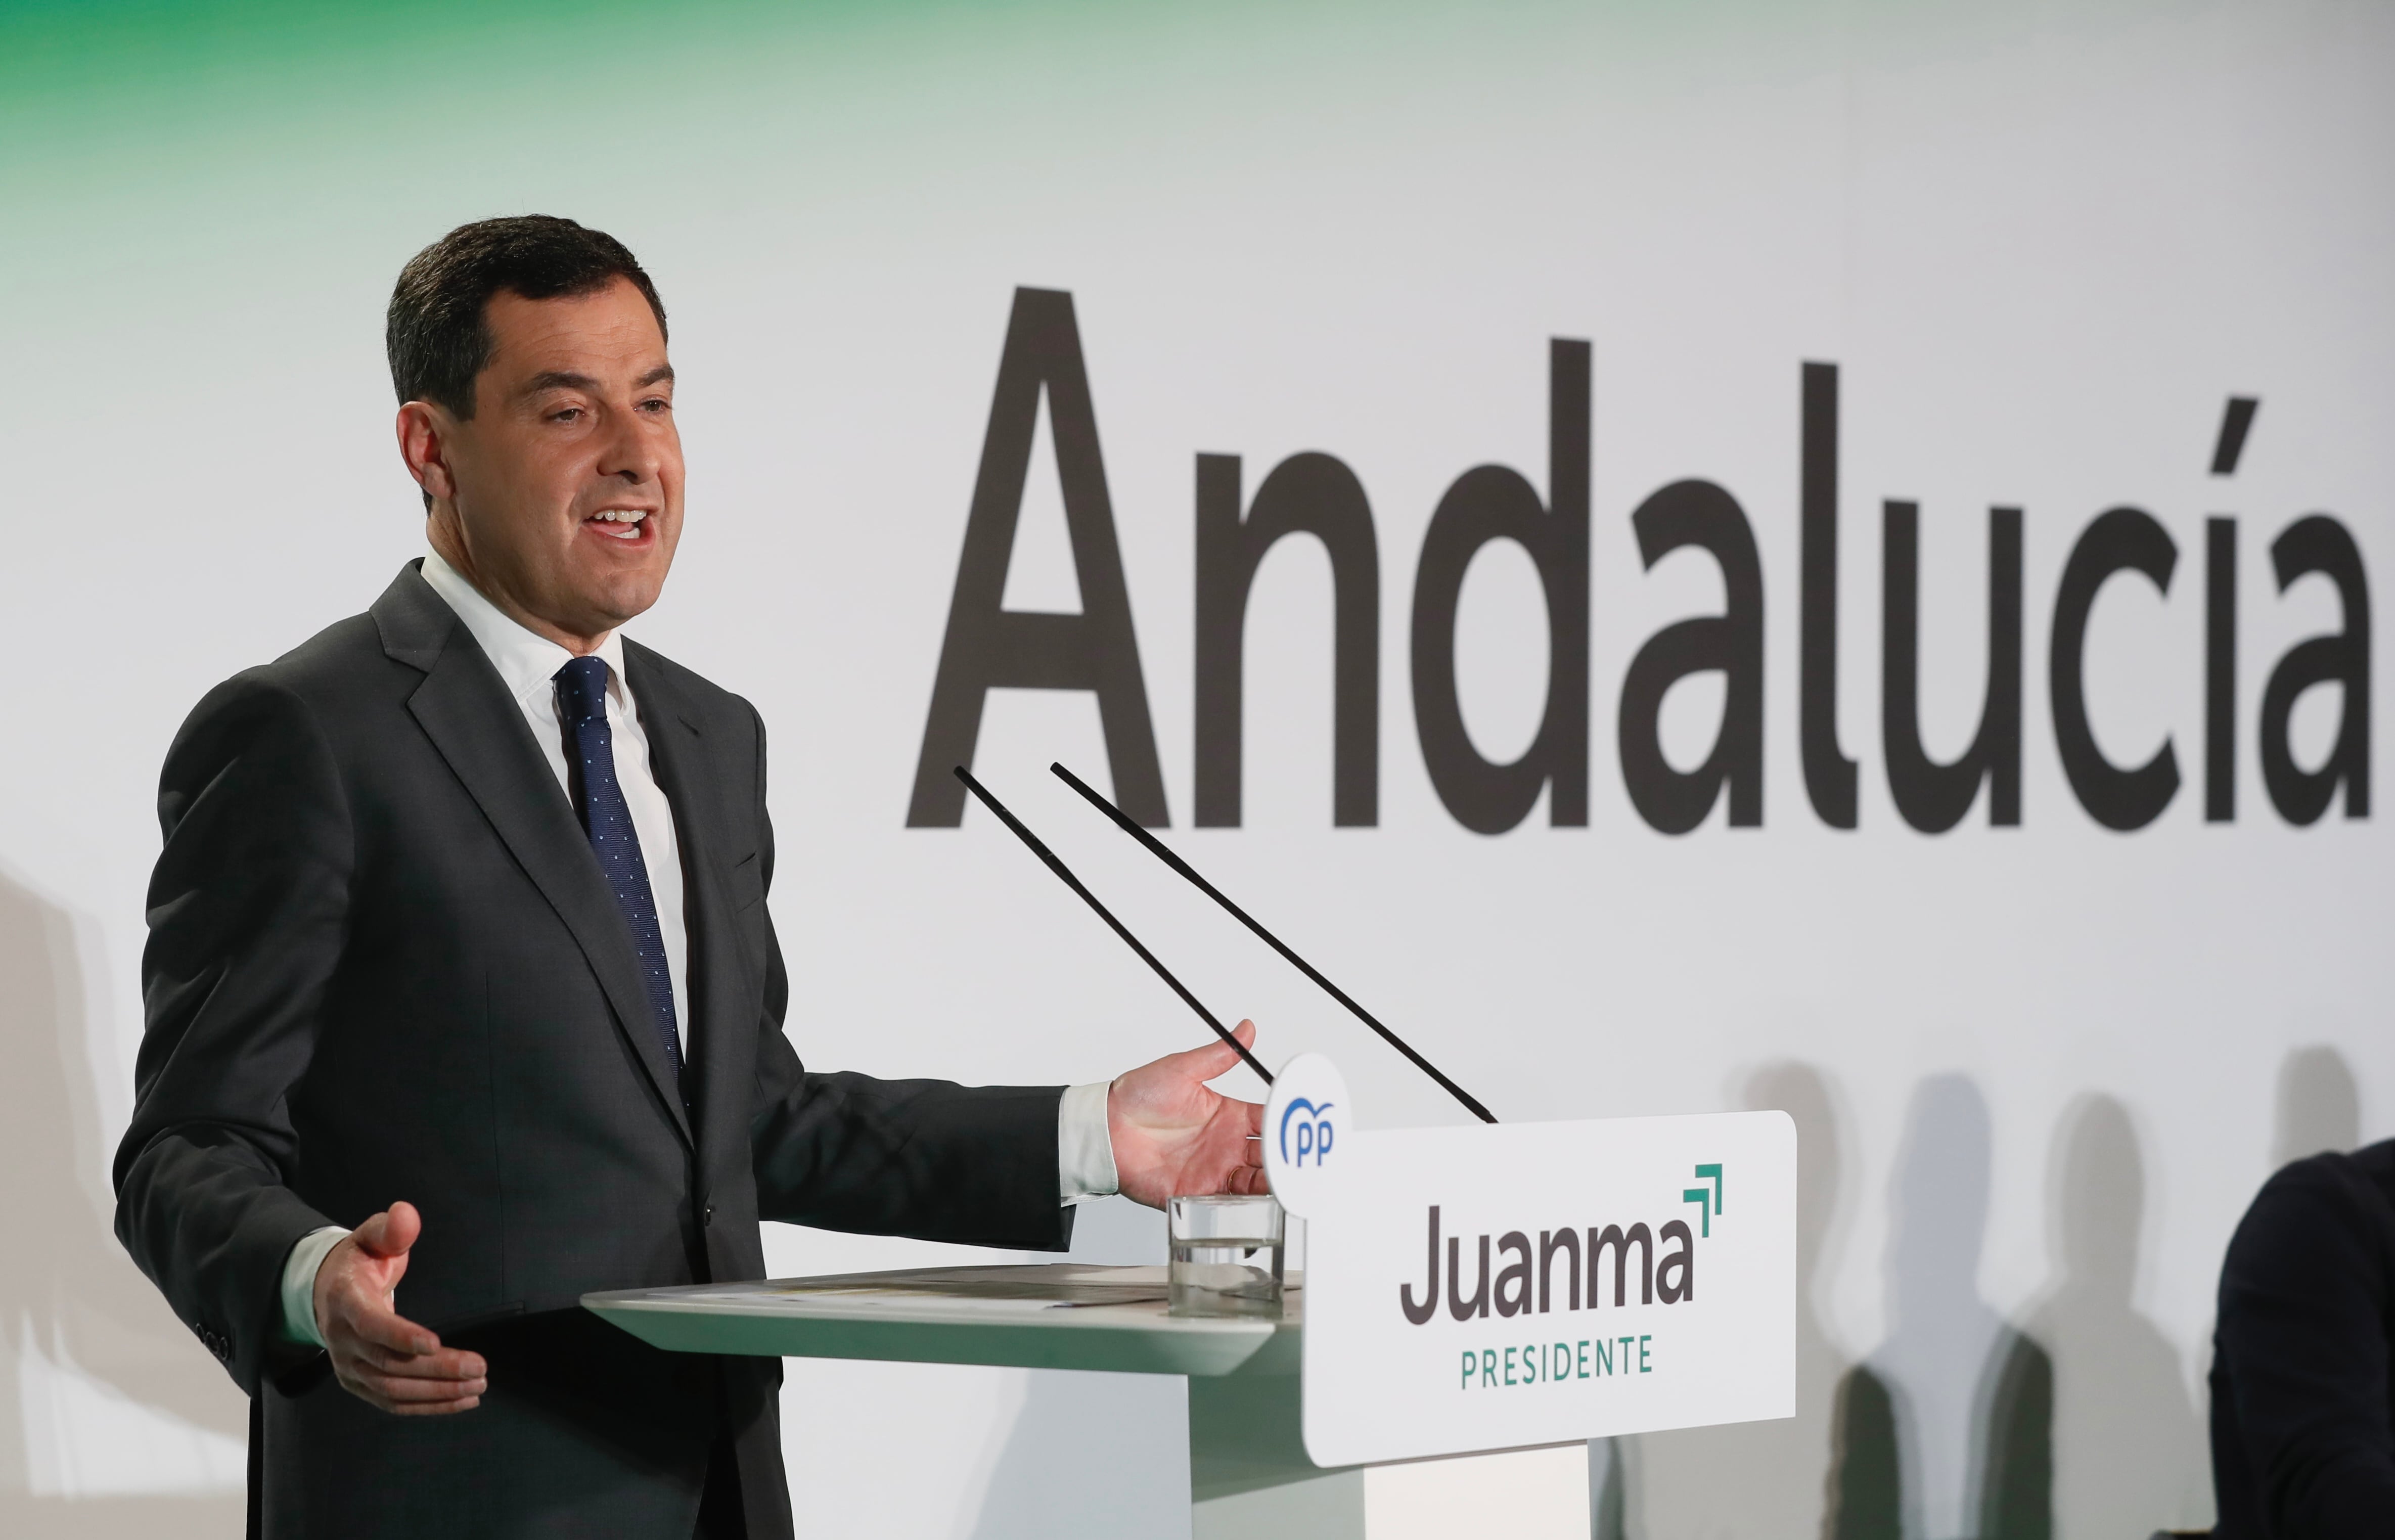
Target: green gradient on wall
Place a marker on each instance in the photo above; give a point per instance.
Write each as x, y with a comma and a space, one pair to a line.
113, 81
148, 59
106, 101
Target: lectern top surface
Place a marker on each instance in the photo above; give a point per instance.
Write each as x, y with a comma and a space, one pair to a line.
1055, 1286
1046, 1316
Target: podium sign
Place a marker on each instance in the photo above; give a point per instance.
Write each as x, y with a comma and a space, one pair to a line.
1503, 1286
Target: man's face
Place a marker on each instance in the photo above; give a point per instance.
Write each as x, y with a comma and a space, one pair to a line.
563, 494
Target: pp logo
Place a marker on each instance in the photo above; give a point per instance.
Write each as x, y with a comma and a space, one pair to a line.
1305, 1129
1301, 1125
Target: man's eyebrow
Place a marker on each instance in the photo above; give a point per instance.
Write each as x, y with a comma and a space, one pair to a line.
557, 380
662, 375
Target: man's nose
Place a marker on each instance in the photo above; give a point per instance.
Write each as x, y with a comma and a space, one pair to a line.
634, 450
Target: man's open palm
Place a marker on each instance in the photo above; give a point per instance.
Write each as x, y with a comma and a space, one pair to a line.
1173, 1136
379, 1358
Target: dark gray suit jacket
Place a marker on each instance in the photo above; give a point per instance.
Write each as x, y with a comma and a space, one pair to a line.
384, 964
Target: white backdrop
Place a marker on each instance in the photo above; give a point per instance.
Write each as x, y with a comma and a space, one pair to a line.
2038, 1070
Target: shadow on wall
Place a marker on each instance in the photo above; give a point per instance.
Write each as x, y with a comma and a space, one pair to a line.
1946, 1428
1672, 1484
1609, 1481
2320, 1105
1096, 1454
2129, 1453
2082, 1427
101, 1389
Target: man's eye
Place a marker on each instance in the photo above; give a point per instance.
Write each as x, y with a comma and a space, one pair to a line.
657, 403
568, 414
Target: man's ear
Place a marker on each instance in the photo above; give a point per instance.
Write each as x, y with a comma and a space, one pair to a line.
424, 435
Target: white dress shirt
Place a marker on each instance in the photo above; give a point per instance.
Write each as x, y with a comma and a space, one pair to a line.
527, 663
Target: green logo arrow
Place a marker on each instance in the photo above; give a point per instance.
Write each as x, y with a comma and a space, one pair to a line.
1708, 1204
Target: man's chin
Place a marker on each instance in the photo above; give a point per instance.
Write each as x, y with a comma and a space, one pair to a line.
622, 609
603, 606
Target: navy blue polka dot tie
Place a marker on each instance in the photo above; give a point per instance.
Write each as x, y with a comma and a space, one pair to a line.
582, 692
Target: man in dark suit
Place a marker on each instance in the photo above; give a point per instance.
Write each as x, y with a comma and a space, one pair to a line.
459, 940
2303, 1356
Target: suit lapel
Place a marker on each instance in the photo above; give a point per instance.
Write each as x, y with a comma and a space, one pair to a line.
719, 981
465, 709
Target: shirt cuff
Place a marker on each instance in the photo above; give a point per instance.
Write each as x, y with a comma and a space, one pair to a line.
300, 1281
1085, 1151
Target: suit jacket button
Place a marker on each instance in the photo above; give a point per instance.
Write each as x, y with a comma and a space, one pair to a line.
707, 1216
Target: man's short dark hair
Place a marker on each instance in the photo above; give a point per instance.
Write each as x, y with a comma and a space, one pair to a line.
437, 333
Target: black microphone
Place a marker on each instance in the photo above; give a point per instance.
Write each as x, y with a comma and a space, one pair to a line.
1124, 821
1060, 869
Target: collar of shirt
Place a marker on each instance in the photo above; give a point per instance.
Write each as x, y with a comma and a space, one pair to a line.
528, 661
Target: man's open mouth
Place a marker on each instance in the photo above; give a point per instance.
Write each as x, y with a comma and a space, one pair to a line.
621, 523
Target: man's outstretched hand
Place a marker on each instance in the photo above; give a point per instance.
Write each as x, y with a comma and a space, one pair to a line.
1173, 1136
378, 1357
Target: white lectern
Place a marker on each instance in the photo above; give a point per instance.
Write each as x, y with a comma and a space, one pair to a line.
1249, 1474
1521, 1288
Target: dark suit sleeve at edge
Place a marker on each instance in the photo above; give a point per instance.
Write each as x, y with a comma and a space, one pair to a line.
929, 1159
246, 911
2303, 1324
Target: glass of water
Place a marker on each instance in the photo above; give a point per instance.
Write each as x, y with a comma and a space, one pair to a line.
1226, 1255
